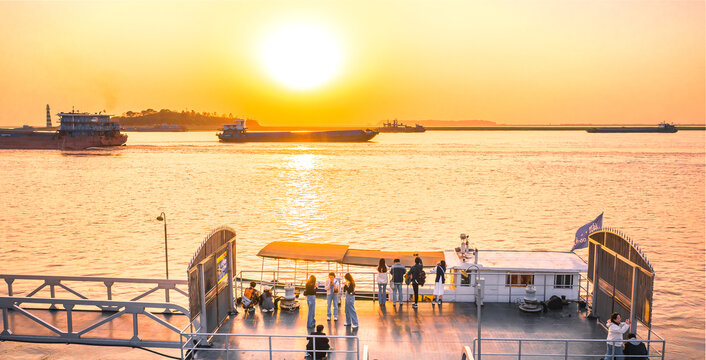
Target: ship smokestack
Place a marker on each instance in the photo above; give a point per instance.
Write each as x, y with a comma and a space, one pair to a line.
48, 117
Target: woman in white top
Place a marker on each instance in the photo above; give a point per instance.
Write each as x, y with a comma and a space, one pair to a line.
382, 282
616, 329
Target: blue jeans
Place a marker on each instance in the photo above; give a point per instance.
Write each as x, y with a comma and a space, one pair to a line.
382, 293
311, 303
332, 298
351, 316
396, 289
614, 350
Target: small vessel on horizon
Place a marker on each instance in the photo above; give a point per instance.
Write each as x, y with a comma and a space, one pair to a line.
663, 127
237, 132
397, 127
77, 131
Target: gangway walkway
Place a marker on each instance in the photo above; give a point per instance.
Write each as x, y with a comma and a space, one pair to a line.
91, 317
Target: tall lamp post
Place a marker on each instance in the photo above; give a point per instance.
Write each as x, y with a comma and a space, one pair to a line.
163, 217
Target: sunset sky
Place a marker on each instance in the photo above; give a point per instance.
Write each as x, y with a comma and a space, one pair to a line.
358, 62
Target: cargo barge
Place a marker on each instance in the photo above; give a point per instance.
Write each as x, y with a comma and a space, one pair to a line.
661, 128
238, 133
77, 131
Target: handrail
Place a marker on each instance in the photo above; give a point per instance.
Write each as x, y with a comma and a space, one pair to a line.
543, 289
187, 349
59, 281
565, 354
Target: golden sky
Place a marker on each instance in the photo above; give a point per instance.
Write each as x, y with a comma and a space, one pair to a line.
512, 62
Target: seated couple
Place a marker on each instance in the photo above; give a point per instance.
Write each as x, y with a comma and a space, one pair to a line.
251, 297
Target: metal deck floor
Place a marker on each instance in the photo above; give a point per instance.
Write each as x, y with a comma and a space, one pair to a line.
401, 332
430, 332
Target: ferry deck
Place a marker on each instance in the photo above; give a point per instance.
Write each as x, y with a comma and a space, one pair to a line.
204, 323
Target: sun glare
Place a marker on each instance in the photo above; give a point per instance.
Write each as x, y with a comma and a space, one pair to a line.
301, 57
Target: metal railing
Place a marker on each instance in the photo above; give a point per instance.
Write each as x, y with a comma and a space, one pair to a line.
11, 306
348, 346
563, 346
60, 282
367, 288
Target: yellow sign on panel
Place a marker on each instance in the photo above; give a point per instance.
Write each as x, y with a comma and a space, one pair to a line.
222, 264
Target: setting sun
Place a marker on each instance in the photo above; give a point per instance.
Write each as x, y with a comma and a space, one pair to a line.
301, 57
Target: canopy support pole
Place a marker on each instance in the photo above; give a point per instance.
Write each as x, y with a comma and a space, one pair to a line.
262, 271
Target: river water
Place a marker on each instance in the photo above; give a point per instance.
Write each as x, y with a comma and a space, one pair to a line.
93, 212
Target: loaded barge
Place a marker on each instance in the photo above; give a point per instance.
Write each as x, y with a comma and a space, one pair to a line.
238, 133
497, 304
77, 131
661, 128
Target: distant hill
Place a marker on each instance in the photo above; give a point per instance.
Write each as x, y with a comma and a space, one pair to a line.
191, 120
449, 123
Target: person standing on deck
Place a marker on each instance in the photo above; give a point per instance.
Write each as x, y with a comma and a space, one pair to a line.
310, 293
397, 272
382, 282
349, 290
414, 275
439, 282
333, 291
616, 329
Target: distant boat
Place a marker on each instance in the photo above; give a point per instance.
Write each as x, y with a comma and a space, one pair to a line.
77, 131
238, 133
397, 127
661, 128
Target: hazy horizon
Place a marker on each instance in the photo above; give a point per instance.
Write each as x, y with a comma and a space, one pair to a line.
316, 63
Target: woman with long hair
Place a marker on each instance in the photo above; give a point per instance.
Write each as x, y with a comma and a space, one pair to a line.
310, 293
616, 329
382, 282
439, 282
349, 290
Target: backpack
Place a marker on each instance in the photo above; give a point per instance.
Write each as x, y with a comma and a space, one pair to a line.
422, 278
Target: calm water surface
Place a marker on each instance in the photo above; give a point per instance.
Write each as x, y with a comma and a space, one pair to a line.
93, 212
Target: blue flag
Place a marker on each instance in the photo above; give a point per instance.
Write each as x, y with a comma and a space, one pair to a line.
581, 239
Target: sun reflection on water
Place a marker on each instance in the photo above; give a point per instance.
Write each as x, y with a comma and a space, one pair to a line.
303, 184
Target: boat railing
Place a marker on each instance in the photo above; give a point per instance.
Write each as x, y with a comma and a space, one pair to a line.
507, 348
367, 287
234, 346
132, 289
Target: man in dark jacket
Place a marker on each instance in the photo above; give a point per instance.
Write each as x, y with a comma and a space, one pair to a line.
415, 276
634, 347
397, 271
319, 343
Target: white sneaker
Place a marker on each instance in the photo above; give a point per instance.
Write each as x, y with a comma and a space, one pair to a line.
335, 319
328, 319
354, 326
345, 324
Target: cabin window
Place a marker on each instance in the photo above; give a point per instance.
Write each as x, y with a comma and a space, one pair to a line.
519, 280
563, 281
